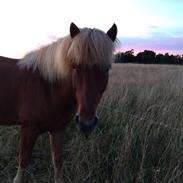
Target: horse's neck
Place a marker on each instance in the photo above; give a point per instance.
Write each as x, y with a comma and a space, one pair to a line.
55, 94
62, 89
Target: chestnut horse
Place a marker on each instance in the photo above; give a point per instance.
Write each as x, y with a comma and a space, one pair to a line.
42, 91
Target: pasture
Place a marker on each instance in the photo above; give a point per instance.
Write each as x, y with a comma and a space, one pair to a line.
139, 138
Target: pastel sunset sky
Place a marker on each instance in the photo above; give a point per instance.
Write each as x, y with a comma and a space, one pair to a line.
142, 24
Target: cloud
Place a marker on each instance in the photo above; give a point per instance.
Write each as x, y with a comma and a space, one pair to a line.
173, 45
153, 27
160, 40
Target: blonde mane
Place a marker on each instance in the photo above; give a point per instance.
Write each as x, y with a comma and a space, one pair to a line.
89, 47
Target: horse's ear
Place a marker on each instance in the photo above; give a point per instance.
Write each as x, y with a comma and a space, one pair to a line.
74, 30
112, 32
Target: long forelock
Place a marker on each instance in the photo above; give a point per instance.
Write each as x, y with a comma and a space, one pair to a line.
90, 47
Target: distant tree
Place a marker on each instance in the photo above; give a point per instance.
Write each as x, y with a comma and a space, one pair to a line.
179, 59
148, 57
129, 56
160, 59
169, 59
119, 58
125, 57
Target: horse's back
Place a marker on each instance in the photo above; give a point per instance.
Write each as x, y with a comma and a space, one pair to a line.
7, 65
8, 72
8, 68
7, 59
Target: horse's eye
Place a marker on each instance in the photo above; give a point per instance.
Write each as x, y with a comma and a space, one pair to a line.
107, 68
76, 67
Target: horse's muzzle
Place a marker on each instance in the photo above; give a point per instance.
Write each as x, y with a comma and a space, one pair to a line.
86, 127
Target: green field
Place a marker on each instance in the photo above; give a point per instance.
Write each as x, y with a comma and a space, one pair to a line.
139, 138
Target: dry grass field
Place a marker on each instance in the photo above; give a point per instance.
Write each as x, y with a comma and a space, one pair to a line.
139, 138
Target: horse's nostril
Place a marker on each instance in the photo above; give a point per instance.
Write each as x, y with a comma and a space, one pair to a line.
86, 127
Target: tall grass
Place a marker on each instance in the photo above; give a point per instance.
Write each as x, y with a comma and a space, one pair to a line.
139, 138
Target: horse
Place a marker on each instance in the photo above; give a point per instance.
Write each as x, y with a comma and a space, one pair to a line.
43, 91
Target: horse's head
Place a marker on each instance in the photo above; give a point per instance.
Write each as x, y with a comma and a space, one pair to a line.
90, 80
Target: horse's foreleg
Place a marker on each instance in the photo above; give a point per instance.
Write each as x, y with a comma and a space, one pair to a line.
28, 138
56, 141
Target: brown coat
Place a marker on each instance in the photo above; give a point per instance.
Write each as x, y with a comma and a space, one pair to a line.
26, 98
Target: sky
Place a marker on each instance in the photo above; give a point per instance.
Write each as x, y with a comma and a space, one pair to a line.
142, 24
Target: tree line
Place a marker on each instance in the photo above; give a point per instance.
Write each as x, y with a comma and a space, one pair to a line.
147, 57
